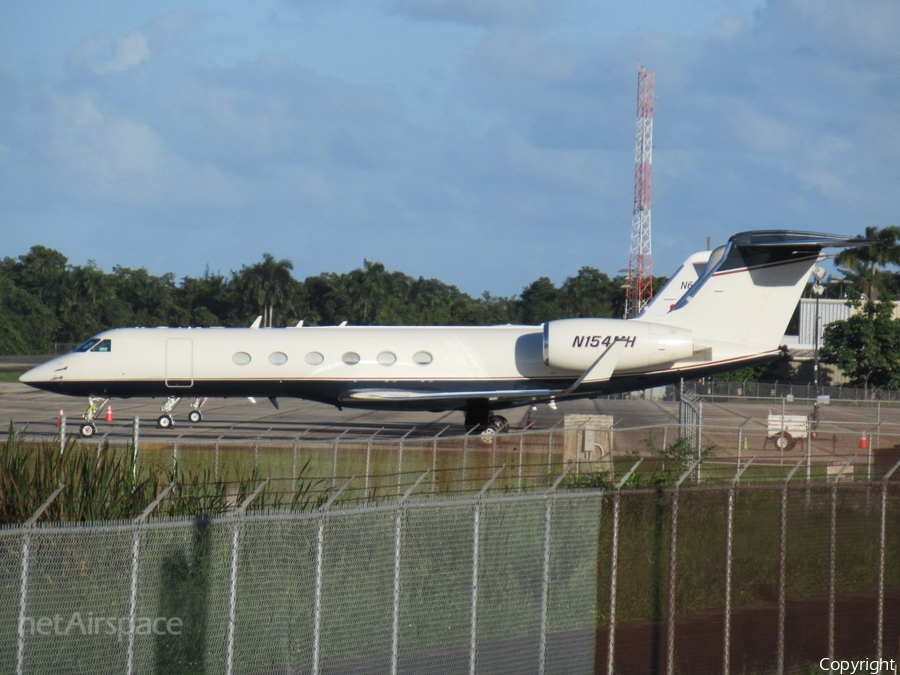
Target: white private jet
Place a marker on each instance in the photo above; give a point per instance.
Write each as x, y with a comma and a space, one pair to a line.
730, 316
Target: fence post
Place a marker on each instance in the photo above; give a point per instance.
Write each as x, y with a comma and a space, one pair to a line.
216, 462
550, 448
466, 456
175, 454
135, 564
476, 539
400, 461
881, 547
670, 626
832, 551
398, 538
369, 461
545, 575
320, 568
729, 533
741, 441
434, 460
23, 590
334, 465
782, 562
135, 441
521, 457
614, 570
232, 585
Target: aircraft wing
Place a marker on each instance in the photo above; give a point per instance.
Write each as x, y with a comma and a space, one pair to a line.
601, 370
410, 395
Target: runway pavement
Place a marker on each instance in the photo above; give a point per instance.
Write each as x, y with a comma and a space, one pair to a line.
239, 418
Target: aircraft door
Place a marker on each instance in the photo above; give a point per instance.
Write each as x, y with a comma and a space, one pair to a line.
179, 362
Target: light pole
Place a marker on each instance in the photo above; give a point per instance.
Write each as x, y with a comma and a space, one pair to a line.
817, 289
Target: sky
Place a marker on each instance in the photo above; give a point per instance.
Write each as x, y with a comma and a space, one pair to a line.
485, 143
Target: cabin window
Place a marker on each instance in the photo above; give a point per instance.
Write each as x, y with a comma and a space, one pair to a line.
387, 358
278, 358
314, 358
85, 346
350, 358
102, 346
423, 358
241, 358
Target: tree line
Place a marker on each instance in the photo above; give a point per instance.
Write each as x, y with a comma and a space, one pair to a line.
866, 346
44, 300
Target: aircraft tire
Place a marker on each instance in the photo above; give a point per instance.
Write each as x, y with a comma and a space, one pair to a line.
165, 422
195, 417
500, 423
87, 430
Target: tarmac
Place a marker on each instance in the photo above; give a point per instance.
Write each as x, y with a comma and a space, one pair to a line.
239, 418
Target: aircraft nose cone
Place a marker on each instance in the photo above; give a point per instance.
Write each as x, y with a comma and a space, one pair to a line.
41, 373
30, 376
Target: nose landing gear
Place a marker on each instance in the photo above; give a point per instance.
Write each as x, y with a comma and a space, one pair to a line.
96, 404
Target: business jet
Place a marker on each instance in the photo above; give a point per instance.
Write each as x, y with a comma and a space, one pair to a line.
731, 315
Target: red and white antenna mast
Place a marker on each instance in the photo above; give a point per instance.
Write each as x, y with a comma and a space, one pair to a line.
640, 266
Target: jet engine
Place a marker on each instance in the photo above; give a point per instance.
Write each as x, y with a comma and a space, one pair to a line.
575, 344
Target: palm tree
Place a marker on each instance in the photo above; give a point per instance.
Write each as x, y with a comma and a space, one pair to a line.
885, 250
266, 284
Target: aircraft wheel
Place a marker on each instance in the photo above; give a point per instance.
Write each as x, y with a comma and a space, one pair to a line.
87, 430
497, 425
165, 422
785, 442
500, 423
194, 416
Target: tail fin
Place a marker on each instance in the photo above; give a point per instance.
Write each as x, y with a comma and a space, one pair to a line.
751, 286
677, 285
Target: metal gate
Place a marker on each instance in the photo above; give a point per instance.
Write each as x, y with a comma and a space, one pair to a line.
179, 363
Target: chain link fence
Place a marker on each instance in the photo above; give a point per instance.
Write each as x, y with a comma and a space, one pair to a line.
381, 468
773, 391
709, 579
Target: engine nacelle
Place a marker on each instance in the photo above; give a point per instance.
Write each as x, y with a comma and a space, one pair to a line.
575, 344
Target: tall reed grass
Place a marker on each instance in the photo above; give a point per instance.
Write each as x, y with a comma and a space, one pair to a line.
106, 485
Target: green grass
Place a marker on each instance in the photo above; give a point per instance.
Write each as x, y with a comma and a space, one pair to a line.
10, 375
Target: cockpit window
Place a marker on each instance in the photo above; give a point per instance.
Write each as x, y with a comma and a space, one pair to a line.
85, 346
104, 346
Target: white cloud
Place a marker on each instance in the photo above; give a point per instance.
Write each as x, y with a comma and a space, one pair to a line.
104, 55
782, 121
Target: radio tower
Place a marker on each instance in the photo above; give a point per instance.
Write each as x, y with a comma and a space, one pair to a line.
640, 267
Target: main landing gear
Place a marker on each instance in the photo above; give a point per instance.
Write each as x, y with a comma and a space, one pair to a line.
165, 421
480, 418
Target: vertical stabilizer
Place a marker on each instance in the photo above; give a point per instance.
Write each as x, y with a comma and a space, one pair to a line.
747, 294
677, 285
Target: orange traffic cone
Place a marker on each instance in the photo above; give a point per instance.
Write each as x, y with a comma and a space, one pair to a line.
109, 416
863, 442
59, 419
